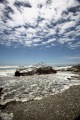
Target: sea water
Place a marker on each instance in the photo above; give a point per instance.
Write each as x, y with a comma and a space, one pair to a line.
35, 87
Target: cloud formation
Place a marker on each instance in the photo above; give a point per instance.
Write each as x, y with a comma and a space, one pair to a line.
40, 22
77, 57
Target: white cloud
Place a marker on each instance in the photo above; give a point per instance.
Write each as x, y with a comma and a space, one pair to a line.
41, 24
64, 40
17, 19
37, 40
29, 14
75, 18
28, 43
72, 3
67, 25
74, 45
73, 57
49, 41
51, 32
21, 29
31, 30
35, 44
1, 9
34, 3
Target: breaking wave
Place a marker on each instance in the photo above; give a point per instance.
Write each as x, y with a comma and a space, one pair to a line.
26, 88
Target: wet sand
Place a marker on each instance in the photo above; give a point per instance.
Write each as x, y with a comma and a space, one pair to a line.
61, 106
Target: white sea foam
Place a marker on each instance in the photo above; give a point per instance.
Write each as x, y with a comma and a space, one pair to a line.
35, 87
9, 67
37, 98
4, 73
10, 70
65, 67
7, 70
6, 116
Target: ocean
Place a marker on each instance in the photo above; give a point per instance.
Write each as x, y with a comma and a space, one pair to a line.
35, 87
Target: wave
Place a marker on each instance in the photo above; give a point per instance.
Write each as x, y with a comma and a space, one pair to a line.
62, 67
9, 70
35, 87
5, 73
8, 67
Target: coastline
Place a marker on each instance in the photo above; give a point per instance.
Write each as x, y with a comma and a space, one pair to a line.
64, 105
61, 106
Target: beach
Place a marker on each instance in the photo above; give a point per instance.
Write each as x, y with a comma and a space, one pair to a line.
40, 97
39, 59
62, 106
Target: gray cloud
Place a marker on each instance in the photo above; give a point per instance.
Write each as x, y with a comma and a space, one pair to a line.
40, 23
2, 1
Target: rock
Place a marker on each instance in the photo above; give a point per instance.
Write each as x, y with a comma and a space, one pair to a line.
1, 91
45, 70
17, 73
69, 78
77, 118
75, 68
75, 76
35, 70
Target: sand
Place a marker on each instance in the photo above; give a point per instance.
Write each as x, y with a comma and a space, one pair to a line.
61, 106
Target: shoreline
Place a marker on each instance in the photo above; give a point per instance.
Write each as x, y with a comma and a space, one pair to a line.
61, 106
62, 90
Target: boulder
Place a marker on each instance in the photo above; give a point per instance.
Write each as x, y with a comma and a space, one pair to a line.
17, 73
75, 68
1, 91
35, 70
45, 70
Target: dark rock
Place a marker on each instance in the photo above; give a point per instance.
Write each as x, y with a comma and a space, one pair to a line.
45, 70
35, 70
77, 118
1, 91
75, 68
17, 73
69, 78
75, 76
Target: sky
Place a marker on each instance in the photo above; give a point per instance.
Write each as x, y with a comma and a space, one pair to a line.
33, 31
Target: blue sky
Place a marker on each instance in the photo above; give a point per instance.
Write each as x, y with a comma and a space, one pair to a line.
33, 31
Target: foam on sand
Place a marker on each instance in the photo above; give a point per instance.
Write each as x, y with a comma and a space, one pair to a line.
35, 87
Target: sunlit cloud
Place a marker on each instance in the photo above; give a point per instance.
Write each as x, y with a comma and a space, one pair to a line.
40, 23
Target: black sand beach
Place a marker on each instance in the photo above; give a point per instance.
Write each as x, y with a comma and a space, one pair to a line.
61, 106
